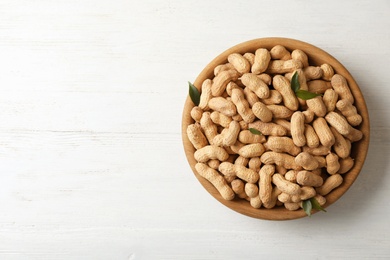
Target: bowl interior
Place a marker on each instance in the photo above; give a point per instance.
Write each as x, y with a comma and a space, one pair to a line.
316, 57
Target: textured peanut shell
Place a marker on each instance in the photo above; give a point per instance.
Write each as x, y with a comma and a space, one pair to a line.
255, 84
216, 180
240, 63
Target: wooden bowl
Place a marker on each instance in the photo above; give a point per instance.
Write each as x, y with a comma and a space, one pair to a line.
316, 57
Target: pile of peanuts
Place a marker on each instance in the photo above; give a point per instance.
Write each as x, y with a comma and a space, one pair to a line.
305, 145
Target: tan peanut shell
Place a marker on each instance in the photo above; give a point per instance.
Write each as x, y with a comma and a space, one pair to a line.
278, 111
241, 161
211, 152
221, 80
255, 202
250, 57
317, 106
345, 165
283, 66
216, 180
327, 72
269, 128
284, 185
342, 146
246, 137
251, 150
307, 192
251, 190
320, 150
291, 176
301, 56
274, 198
266, 78
196, 137
281, 159
214, 163
309, 116
312, 139
313, 72
237, 117
254, 163
220, 119
330, 184
282, 145
230, 86
323, 132
206, 94
332, 163
262, 112
287, 198
280, 169
239, 62
349, 111
274, 98
250, 96
340, 85
354, 135
240, 171
196, 113
279, 52
255, 84
338, 122
285, 124
318, 86
230, 136
236, 147
242, 106
307, 178
218, 140
330, 99
238, 186
223, 67
282, 85
223, 106
298, 128
292, 206
262, 59
307, 161
243, 125
320, 199
208, 127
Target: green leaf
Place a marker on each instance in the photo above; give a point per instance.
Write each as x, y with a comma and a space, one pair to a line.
194, 93
295, 82
316, 205
255, 131
306, 204
305, 95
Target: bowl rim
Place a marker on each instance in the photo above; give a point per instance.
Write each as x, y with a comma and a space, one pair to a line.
316, 55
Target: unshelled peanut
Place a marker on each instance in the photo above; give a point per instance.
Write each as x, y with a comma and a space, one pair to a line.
215, 179
240, 63
255, 84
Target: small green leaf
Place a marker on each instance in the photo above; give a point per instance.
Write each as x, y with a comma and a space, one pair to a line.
306, 204
316, 205
255, 131
194, 93
295, 82
305, 95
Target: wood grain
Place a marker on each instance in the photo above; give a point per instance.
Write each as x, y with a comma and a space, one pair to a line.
91, 157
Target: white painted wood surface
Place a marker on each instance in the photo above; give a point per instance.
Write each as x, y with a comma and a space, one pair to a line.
91, 159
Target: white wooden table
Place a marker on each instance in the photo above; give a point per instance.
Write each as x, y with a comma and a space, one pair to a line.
92, 164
